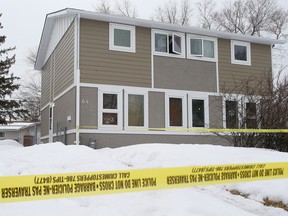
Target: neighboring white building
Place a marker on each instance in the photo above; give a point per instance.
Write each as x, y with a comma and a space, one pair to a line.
23, 132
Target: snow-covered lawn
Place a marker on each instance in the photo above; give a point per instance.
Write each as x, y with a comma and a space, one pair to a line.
192, 201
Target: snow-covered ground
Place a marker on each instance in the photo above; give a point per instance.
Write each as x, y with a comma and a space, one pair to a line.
192, 201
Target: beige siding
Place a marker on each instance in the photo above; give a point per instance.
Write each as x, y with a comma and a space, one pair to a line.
215, 112
119, 140
88, 108
185, 74
100, 65
231, 75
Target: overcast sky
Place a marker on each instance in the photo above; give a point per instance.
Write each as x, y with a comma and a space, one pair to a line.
23, 22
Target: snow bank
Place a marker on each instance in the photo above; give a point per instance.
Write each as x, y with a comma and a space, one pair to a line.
193, 201
4, 144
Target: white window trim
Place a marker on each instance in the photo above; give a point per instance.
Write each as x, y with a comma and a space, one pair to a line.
190, 111
184, 109
167, 54
173, 44
132, 48
119, 110
146, 108
198, 57
248, 48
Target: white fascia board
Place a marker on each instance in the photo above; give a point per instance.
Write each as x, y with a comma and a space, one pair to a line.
174, 27
45, 37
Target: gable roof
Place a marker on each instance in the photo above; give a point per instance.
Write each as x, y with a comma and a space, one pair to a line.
52, 18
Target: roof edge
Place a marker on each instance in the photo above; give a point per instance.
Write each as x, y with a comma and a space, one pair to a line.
51, 17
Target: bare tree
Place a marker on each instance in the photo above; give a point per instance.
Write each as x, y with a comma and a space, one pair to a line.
104, 7
31, 57
278, 23
173, 13
122, 8
260, 106
186, 12
254, 17
126, 8
30, 89
232, 17
259, 14
30, 94
206, 11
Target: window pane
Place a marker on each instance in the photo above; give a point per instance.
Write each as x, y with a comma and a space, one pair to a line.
109, 119
135, 110
240, 53
231, 114
198, 113
196, 46
109, 101
122, 37
208, 48
176, 44
251, 120
175, 108
160, 42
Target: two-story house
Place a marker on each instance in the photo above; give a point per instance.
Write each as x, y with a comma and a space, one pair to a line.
122, 81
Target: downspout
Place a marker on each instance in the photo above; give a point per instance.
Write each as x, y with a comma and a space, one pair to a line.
217, 69
77, 77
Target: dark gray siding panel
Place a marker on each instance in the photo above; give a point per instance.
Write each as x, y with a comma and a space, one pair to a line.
88, 108
119, 140
45, 122
65, 106
71, 139
156, 110
215, 112
185, 74
68, 140
44, 140
100, 65
231, 75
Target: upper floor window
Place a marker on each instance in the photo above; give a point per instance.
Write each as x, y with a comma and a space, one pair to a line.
201, 48
169, 43
240, 53
122, 37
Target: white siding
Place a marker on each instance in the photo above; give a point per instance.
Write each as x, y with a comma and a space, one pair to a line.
60, 27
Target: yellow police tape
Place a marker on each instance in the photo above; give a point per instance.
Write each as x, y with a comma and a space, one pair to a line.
198, 130
50, 186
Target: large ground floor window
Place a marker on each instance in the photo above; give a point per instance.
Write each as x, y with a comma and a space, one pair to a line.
240, 114
129, 109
